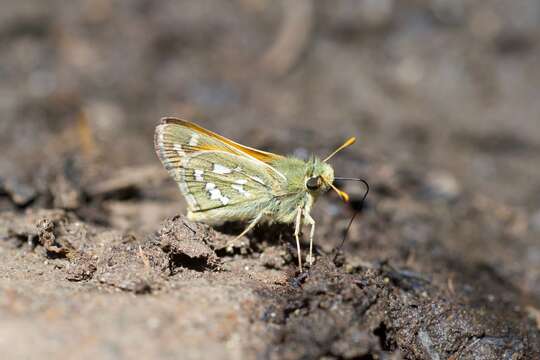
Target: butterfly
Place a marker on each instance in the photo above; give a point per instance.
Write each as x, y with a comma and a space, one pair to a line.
222, 180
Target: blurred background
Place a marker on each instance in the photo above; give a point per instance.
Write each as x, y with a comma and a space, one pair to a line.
451, 85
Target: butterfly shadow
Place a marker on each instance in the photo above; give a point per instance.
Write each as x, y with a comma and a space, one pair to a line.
262, 236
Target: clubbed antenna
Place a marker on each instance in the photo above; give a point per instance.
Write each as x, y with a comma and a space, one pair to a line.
345, 144
342, 194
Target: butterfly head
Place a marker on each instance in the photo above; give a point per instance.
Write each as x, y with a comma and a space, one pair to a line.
322, 176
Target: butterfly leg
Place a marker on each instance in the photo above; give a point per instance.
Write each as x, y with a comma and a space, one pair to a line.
298, 225
310, 221
251, 225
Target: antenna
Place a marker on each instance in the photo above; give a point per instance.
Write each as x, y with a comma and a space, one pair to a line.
349, 142
342, 194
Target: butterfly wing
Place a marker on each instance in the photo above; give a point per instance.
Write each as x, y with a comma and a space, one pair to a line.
219, 178
222, 141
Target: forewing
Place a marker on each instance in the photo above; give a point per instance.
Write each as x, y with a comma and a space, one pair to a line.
221, 141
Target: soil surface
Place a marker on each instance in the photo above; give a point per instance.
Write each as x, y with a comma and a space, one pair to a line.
97, 260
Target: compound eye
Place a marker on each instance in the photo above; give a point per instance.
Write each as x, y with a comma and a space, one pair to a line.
314, 183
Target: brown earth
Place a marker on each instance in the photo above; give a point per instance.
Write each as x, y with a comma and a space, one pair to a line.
443, 262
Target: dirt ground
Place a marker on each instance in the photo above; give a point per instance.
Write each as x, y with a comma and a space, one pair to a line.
97, 260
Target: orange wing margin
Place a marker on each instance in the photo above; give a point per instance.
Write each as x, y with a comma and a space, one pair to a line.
263, 156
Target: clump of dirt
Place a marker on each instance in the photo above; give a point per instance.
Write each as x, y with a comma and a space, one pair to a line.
187, 245
132, 264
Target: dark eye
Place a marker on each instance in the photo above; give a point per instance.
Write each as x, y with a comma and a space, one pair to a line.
313, 183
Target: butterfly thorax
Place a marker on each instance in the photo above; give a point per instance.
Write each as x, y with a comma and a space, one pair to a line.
304, 182
297, 173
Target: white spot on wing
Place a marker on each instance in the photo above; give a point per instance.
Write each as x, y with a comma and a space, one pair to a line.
240, 189
215, 194
179, 149
220, 169
199, 175
241, 181
194, 140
